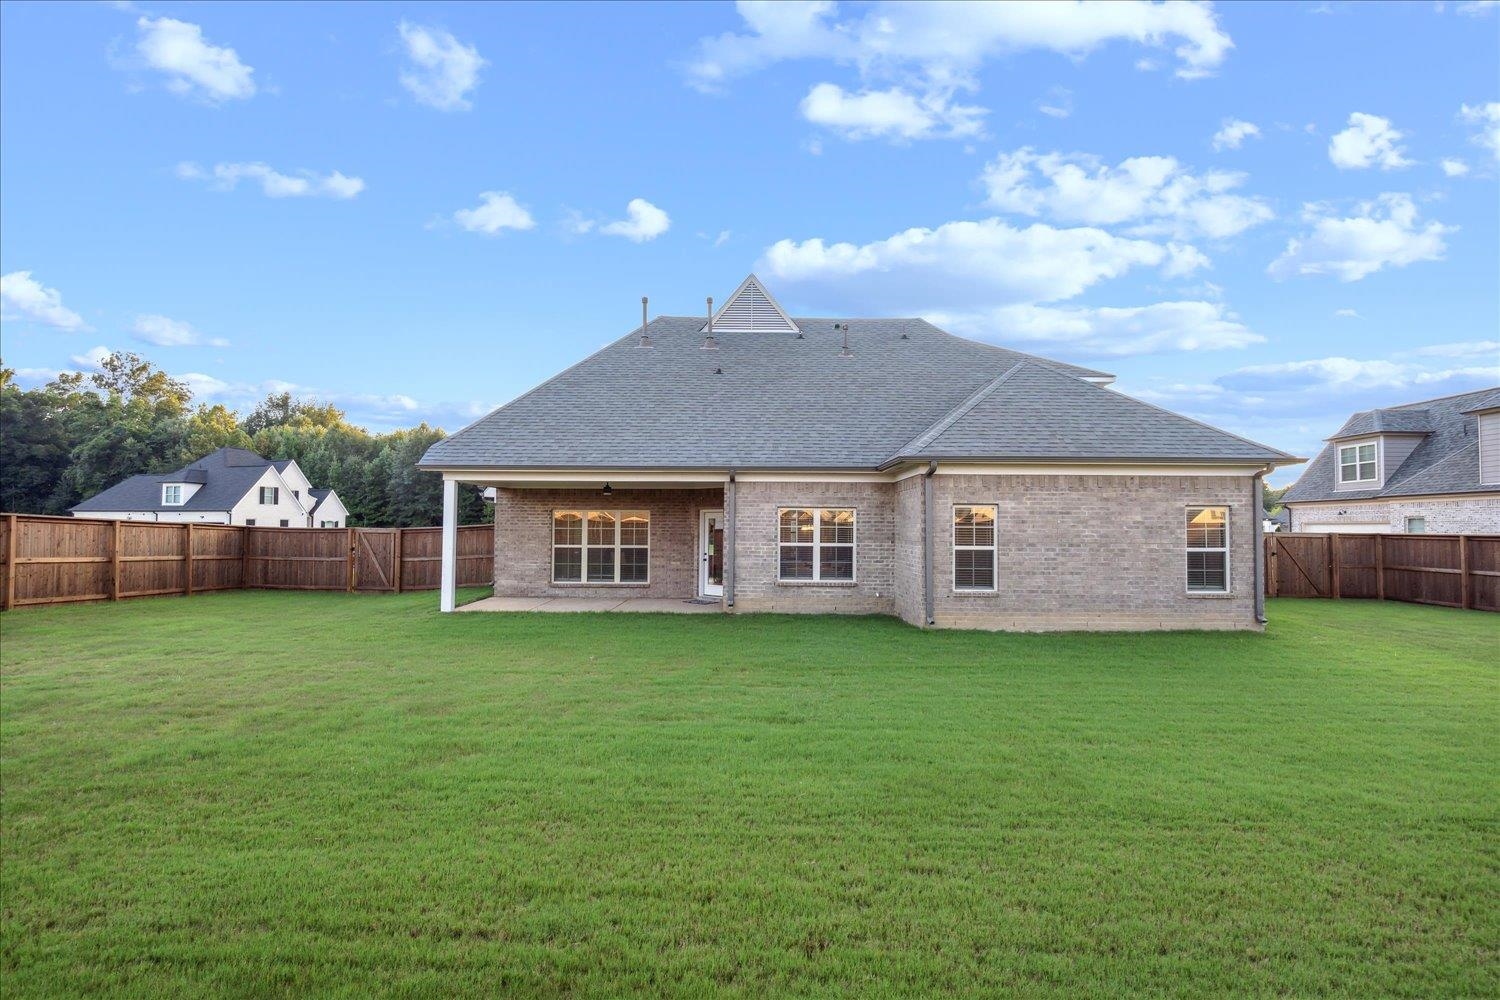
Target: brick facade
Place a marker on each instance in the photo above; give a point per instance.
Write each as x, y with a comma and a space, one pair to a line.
1074, 552
1094, 552
1478, 515
523, 540
757, 550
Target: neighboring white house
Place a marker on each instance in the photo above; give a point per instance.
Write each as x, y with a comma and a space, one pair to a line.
1432, 466
228, 486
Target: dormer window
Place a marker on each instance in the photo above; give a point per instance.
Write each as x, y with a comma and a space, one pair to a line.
171, 495
1357, 463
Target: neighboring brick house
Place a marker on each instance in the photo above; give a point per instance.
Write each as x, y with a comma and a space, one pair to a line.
868, 466
228, 486
1431, 466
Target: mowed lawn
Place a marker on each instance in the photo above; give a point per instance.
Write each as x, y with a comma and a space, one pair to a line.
259, 794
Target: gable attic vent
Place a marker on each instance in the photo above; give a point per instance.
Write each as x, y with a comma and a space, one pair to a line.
751, 309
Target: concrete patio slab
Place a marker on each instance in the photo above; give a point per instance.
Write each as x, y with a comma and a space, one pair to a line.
659, 605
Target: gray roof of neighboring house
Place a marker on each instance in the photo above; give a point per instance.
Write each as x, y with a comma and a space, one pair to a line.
318, 497
1396, 420
776, 400
1487, 401
227, 475
1447, 460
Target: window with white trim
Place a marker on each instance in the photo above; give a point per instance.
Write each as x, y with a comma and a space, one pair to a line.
1357, 463
1208, 550
816, 543
171, 495
1416, 525
601, 546
328, 524
270, 495
974, 547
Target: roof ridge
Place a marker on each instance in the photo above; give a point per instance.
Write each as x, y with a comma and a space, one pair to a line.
1439, 399
935, 430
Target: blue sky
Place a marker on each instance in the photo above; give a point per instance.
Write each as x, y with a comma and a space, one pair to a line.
1264, 216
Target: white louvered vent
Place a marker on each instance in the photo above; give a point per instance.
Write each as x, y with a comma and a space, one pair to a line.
751, 309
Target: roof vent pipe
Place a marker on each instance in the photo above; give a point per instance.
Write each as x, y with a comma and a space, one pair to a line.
645, 340
845, 353
709, 343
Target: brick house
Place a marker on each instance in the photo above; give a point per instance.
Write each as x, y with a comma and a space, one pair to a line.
869, 466
1430, 466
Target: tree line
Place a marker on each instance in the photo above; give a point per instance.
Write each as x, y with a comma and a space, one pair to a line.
83, 432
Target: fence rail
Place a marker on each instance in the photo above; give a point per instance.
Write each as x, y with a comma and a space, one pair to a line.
1456, 571
61, 560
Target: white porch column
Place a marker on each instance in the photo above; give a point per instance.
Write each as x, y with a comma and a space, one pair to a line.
448, 588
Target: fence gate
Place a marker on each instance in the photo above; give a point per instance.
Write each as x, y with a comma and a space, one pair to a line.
1299, 566
375, 552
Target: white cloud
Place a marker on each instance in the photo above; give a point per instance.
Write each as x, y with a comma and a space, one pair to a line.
1057, 104
274, 184
891, 114
644, 222
1162, 326
1155, 193
441, 70
959, 266
1384, 233
166, 332
1476, 8
1347, 314
22, 297
947, 43
1233, 134
1487, 117
1369, 141
497, 211
1461, 349
193, 66
1345, 375
722, 238
89, 360
1454, 167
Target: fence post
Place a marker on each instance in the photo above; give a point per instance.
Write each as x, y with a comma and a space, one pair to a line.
1380, 567
1273, 566
1463, 571
400, 555
350, 561
114, 561
187, 581
1334, 551
244, 557
10, 562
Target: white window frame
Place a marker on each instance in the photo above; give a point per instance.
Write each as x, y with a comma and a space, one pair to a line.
1415, 517
275, 496
1374, 462
168, 492
1225, 548
817, 547
328, 524
993, 548
583, 548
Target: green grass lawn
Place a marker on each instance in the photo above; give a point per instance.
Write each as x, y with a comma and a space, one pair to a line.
270, 794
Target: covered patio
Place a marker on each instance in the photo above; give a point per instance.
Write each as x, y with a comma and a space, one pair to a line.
601, 540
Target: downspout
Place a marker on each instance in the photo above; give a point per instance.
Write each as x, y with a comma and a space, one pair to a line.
927, 595
1258, 508
729, 515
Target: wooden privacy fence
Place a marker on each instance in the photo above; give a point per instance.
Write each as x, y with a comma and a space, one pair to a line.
1457, 571
59, 560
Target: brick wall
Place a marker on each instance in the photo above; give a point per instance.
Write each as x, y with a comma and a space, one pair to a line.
910, 603
1094, 552
757, 552
523, 540
1476, 516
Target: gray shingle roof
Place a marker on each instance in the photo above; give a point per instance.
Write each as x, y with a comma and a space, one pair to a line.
766, 400
1447, 460
1487, 401
1395, 420
227, 475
